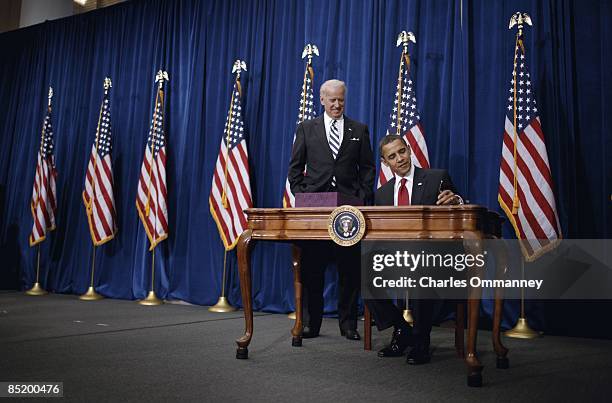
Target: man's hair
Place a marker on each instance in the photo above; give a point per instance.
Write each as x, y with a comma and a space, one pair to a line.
388, 139
331, 84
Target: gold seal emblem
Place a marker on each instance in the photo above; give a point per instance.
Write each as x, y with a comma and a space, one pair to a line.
346, 225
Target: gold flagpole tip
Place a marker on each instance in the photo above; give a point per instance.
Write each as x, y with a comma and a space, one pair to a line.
238, 67
107, 83
519, 19
309, 51
91, 295
222, 305
36, 290
161, 76
404, 37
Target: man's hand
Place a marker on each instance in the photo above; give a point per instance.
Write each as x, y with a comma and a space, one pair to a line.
447, 197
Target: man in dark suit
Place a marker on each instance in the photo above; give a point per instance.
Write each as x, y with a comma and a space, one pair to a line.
409, 186
336, 154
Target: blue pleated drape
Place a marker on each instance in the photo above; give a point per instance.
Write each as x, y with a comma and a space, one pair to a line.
461, 65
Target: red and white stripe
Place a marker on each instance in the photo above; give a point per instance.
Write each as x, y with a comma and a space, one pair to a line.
152, 193
306, 111
99, 198
231, 220
43, 204
536, 221
288, 197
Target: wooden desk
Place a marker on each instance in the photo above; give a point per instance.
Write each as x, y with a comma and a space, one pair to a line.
468, 222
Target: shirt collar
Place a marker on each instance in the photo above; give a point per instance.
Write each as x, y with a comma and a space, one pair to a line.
409, 177
328, 119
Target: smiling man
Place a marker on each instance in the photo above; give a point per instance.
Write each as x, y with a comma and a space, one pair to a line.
337, 155
410, 185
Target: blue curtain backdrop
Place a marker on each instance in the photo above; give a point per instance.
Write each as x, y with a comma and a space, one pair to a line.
461, 66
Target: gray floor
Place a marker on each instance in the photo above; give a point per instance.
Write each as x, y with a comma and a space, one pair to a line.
113, 350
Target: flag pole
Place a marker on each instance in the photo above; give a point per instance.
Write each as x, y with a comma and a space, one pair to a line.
152, 299
37, 289
522, 330
309, 51
403, 39
91, 294
223, 304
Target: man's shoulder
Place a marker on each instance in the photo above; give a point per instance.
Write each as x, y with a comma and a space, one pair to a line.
387, 185
311, 122
353, 123
432, 172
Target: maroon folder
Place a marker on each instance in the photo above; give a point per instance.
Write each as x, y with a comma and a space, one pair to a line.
326, 199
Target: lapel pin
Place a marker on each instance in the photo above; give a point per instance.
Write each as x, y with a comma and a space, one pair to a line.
419, 184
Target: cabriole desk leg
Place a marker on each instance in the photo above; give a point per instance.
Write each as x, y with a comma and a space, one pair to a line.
244, 269
474, 246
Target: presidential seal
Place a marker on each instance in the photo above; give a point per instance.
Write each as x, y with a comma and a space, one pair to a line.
346, 225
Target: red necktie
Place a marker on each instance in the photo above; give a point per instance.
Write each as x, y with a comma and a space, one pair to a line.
403, 198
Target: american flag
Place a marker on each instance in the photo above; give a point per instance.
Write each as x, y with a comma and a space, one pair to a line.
98, 194
152, 197
306, 112
405, 121
230, 193
525, 182
43, 204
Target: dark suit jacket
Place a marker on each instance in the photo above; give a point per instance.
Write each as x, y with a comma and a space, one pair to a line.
354, 166
425, 187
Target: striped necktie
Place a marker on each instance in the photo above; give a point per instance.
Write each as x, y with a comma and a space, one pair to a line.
334, 138
334, 144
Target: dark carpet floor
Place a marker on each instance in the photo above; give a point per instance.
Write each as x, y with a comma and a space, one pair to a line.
114, 350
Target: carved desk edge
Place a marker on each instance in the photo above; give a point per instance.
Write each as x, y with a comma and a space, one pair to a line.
382, 222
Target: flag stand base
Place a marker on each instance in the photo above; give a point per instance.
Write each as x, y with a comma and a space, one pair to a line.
522, 331
222, 306
91, 295
408, 317
36, 290
151, 300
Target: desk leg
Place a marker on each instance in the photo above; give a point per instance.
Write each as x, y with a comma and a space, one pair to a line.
474, 367
296, 332
244, 268
501, 259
